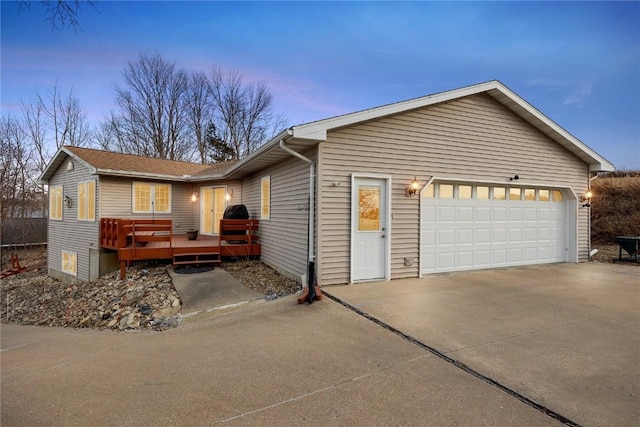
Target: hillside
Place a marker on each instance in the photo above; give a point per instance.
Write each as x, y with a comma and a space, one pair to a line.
615, 207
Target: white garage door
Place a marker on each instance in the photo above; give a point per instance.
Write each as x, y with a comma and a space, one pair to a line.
473, 226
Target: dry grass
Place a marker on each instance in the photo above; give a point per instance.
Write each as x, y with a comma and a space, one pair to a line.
615, 208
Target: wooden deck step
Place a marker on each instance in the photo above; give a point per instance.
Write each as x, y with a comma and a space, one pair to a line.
196, 258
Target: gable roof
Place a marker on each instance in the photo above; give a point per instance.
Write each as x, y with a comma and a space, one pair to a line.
119, 164
300, 136
304, 136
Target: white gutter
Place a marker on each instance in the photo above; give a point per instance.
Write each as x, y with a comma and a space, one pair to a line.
311, 248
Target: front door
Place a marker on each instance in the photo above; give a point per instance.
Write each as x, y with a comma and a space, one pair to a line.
212, 209
370, 231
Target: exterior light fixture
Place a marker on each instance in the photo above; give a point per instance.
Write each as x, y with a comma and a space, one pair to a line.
412, 188
194, 197
586, 199
67, 201
514, 178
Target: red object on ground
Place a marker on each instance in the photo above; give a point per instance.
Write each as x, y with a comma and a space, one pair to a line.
15, 267
303, 297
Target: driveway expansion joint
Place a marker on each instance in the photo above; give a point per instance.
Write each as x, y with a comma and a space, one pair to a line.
547, 411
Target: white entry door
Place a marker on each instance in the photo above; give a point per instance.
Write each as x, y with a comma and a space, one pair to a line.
212, 206
370, 231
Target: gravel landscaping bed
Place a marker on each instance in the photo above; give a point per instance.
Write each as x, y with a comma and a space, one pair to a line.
145, 299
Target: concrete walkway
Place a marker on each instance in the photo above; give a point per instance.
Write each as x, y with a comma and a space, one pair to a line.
213, 289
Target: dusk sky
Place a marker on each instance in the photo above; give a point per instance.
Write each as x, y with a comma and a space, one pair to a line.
576, 62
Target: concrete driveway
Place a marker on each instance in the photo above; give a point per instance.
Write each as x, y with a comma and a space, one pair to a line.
569, 341
565, 336
267, 363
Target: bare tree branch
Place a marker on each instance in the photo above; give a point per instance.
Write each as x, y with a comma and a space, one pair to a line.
151, 117
59, 12
243, 111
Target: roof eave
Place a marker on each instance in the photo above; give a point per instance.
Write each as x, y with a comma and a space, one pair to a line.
57, 160
285, 134
130, 174
596, 162
317, 131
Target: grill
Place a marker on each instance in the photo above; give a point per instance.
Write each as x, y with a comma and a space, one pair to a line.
236, 212
631, 245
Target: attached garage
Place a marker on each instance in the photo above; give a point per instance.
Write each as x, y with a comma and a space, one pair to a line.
469, 226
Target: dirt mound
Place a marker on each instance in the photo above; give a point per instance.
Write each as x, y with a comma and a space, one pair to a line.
615, 207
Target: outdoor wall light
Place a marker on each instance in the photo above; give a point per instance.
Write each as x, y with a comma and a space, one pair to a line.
514, 178
194, 197
586, 199
412, 188
67, 201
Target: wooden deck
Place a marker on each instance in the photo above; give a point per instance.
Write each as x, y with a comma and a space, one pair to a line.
154, 239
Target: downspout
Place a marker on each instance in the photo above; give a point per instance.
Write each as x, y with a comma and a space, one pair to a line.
311, 249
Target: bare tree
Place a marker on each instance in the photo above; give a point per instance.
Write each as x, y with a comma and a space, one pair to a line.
199, 111
244, 114
28, 142
34, 130
66, 118
19, 195
151, 119
59, 12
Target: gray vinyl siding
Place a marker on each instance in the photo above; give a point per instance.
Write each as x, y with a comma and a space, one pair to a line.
70, 234
472, 138
117, 199
284, 237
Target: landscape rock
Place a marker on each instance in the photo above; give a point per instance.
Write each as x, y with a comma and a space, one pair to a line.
145, 299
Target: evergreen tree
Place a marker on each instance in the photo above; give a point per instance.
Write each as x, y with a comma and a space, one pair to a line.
219, 150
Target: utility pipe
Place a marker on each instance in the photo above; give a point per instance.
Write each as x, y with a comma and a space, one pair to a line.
311, 248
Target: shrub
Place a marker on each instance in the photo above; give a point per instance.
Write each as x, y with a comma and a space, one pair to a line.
615, 207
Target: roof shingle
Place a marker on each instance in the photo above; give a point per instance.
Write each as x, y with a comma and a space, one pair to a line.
110, 161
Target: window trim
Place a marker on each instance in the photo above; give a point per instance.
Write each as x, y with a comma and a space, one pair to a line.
263, 180
89, 209
57, 192
152, 197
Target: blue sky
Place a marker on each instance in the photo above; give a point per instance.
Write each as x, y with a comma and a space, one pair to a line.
577, 62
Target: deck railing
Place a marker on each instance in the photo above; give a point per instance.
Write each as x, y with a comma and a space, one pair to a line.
117, 233
131, 238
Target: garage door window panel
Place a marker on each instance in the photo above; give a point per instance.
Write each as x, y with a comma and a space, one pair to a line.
446, 191
428, 192
464, 192
482, 192
557, 196
530, 194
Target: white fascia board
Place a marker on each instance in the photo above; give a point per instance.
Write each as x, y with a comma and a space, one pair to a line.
129, 174
318, 130
597, 163
275, 141
57, 160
